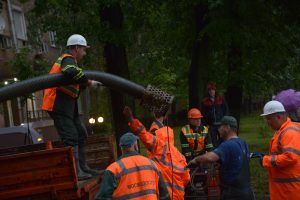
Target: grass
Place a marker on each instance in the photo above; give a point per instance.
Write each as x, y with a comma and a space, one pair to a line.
255, 132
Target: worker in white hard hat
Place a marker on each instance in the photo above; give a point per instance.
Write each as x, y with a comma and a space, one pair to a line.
61, 102
283, 161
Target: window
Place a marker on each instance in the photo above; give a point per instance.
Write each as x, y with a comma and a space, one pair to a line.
52, 37
19, 23
45, 48
5, 42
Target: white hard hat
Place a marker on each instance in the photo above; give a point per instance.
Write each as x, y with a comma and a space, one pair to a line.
77, 39
273, 107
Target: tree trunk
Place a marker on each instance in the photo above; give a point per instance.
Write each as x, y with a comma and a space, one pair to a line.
234, 91
116, 61
197, 78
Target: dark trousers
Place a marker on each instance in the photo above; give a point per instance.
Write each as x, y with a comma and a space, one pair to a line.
70, 130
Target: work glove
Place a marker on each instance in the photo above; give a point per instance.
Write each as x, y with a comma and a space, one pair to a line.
135, 125
128, 114
258, 155
94, 84
191, 163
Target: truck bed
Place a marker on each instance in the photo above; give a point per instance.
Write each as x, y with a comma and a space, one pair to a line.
42, 172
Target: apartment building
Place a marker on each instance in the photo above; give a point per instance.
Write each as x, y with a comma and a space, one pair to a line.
14, 37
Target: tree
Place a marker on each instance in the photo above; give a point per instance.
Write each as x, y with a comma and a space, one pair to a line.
198, 73
116, 61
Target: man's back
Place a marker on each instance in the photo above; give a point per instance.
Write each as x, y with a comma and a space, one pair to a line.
132, 176
234, 153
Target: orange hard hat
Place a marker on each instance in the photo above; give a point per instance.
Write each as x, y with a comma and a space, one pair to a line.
194, 113
211, 86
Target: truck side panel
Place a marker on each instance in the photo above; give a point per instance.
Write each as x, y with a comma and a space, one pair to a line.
45, 171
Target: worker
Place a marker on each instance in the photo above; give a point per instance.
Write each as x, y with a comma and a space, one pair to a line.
213, 108
194, 137
233, 156
133, 176
283, 161
158, 122
61, 102
168, 159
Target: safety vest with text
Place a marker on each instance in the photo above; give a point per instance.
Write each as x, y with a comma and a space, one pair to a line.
137, 178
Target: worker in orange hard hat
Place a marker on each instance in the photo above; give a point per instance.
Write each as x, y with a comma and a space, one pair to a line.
195, 141
194, 137
214, 108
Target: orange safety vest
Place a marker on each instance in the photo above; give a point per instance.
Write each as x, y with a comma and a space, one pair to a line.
50, 93
155, 125
165, 157
283, 163
192, 137
137, 178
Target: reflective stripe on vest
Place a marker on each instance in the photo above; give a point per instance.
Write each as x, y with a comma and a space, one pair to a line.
177, 187
140, 186
286, 180
134, 169
288, 149
169, 164
280, 150
71, 90
135, 195
50, 93
191, 137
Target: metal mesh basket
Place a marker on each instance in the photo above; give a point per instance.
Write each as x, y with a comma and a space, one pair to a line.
156, 100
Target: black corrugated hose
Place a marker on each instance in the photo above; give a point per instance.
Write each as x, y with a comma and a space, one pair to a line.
47, 81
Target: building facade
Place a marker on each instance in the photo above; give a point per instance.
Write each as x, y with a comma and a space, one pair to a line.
13, 38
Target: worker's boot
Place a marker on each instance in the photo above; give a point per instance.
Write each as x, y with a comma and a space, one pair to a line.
81, 175
83, 164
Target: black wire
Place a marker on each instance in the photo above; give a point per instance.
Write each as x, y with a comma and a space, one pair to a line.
170, 156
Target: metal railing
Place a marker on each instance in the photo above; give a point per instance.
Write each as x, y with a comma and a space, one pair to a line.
37, 115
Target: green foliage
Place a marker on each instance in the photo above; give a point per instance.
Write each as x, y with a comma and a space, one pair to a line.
24, 68
21, 65
159, 37
161, 70
260, 29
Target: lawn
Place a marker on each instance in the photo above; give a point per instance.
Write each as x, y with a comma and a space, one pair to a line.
254, 131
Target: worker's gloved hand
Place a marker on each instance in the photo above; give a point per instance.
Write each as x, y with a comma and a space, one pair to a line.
94, 84
191, 163
128, 114
258, 155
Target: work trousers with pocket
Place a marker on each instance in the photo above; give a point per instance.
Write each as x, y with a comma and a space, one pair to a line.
71, 130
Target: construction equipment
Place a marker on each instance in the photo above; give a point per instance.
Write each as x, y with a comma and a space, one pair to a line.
204, 184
